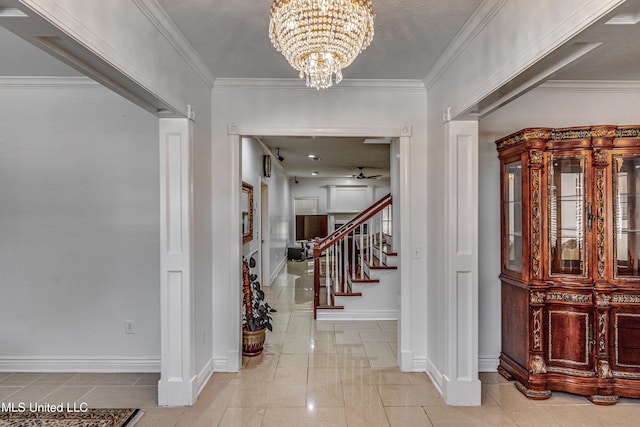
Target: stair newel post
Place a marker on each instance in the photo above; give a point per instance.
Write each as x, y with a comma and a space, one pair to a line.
316, 278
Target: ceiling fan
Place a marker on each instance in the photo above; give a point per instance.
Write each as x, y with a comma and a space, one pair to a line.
363, 176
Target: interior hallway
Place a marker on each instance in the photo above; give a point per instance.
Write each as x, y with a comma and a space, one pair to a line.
316, 374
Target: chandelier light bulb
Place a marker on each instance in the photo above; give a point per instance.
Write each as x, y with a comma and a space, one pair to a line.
320, 38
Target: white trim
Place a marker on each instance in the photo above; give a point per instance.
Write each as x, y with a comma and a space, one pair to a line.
592, 85
419, 364
480, 18
488, 364
163, 23
80, 364
204, 375
39, 83
220, 364
411, 85
435, 375
559, 35
357, 315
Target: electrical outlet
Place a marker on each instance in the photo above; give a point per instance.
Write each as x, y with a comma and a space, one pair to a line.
129, 326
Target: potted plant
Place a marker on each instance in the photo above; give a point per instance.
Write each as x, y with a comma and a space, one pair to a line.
256, 314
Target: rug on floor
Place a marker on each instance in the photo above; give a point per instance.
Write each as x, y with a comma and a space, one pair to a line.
90, 418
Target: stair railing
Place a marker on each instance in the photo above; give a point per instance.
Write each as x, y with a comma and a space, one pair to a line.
347, 248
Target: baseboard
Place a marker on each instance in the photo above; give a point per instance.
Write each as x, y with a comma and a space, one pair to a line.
419, 364
436, 376
79, 364
204, 375
488, 364
220, 364
276, 272
357, 315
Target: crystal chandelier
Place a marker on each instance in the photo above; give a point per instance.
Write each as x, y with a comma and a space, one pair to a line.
321, 37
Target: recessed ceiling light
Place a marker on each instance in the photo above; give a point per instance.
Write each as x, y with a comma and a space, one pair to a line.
311, 156
314, 173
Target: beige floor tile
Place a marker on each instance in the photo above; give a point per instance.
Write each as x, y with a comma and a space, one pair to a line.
409, 395
292, 375
104, 379
366, 416
377, 336
6, 391
349, 336
325, 395
407, 417
165, 417
356, 325
361, 395
20, 379
67, 394
57, 378
350, 349
330, 360
323, 326
122, 397
379, 354
246, 417
148, 379
323, 376
32, 393
305, 417
442, 415
282, 395
297, 348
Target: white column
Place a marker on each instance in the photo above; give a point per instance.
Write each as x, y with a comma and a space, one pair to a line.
461, 385
177, 385
402, 221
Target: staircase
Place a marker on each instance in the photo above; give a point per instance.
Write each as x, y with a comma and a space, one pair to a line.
356, 273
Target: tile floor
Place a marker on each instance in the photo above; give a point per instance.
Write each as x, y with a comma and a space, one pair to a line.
317, 374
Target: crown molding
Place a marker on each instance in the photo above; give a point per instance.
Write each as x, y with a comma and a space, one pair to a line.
159, 18
480, 18
624, 86
37, 82
412, 85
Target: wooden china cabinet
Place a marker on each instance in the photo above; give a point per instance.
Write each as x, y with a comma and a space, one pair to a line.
570, 214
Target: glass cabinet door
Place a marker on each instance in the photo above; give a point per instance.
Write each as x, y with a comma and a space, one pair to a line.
512, 211
626, 181
567, 202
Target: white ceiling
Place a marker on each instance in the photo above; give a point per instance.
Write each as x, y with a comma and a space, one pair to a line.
338, 157
231, 37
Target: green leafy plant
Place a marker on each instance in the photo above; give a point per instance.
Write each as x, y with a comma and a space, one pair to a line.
256, 313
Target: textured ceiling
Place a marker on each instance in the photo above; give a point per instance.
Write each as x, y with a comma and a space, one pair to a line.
232, 37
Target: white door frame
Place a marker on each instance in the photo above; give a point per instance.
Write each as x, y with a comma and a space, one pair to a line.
235, 133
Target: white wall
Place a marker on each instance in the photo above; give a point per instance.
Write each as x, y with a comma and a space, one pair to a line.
79, 253
555, 104
139, 48
278, 205
318, 188
255, 107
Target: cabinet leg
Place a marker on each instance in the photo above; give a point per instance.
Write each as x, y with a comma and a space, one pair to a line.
533, 394
603, 400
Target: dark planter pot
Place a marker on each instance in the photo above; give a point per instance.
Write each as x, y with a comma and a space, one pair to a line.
253, 342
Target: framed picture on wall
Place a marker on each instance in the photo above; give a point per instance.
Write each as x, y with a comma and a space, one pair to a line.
266, 165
